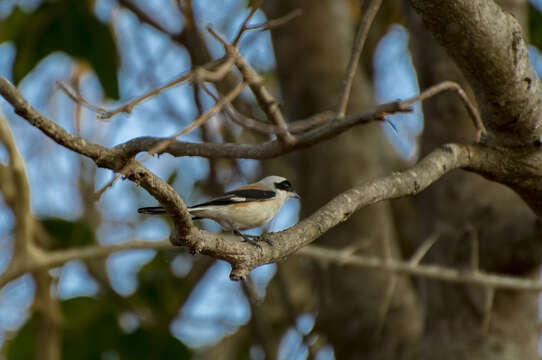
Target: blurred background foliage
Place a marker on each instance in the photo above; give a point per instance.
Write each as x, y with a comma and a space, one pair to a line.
146, 304
69, 26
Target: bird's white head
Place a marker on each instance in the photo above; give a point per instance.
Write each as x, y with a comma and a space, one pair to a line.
280, 185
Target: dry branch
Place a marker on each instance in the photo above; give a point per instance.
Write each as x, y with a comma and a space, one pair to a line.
361, 36
243, 257
266, 101
452, 86
16, 191
505, 84
436, 272
213, 71
274, 23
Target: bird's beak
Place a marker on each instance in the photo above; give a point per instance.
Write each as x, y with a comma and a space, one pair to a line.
295, 195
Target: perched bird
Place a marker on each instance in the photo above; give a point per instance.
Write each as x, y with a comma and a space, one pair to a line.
246, 207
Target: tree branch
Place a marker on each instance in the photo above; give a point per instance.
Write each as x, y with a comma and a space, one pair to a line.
213, 71
16, 192
505, 84
436, 272
266, 101
264, 150
59, 257
361, 36
243, 257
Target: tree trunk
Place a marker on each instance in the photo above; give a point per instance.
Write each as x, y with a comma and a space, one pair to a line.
312, 53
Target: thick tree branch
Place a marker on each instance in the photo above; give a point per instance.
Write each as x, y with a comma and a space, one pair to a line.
488, 46
243, 257
117, 157
264, 150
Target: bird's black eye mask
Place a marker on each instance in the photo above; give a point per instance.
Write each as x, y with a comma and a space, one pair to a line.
284, 185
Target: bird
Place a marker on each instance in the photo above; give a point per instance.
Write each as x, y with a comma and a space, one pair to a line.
246, 207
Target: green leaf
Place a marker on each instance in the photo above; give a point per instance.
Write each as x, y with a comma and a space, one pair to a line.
171, 179
152, 344
66, 234
23, 345
63, 25
90, 328
158, 287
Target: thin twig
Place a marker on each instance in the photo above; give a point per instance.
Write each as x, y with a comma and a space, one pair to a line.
200, 120
274, 23
296, 127
143, 16
423, 249
78, 99
384, 308
361, 36
59, 257
475, 249
271, 24
267, 102
213, 71
243, 27
488, 308
164, 143
429, 271
452, 86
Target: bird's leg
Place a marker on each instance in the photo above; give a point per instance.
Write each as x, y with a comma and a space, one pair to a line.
258, 238
246, 238
263, 237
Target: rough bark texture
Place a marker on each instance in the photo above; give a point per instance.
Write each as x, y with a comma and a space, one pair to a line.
488, 45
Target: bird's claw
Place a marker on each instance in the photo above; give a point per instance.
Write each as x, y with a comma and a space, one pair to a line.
266, 239
251, 241
255, 239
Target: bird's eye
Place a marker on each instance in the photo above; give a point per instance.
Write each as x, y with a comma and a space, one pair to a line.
284, 185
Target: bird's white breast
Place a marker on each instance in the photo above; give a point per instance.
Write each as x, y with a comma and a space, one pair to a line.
243, 215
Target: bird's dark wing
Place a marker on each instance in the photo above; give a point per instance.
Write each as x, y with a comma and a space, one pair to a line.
152, 210
240, 195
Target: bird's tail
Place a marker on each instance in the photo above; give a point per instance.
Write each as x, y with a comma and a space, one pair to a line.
159, 210
152, 210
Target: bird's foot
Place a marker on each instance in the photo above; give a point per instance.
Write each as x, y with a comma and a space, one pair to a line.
252, 242
248, 238
254, 239
261, 237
